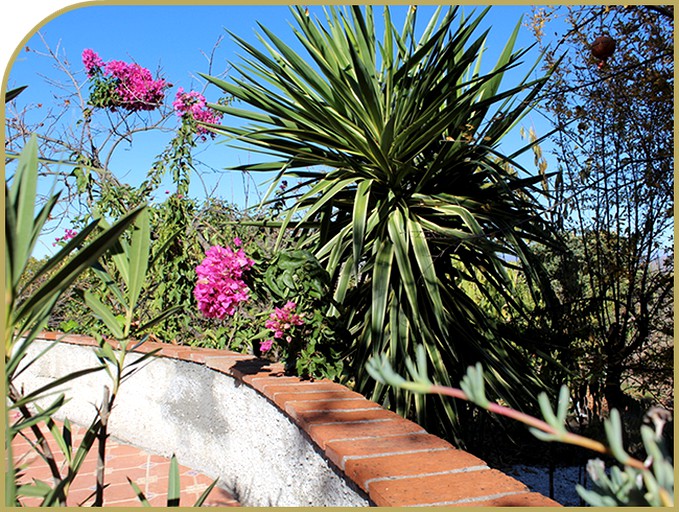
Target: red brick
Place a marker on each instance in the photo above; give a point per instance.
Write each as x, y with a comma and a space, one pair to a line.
247, 371
79, 497
122, 493
145, 347
294, 408
114, 474
308, 418
259, 381
175, 351
446, 489
364, 471
340, 450
320, 397
271, 389
78, 339
199, 355
322, 434
223, 364
527, 499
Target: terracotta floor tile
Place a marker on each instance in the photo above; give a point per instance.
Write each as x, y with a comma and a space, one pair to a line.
149, 471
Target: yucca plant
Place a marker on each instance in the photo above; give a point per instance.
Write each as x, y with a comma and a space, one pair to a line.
393, 143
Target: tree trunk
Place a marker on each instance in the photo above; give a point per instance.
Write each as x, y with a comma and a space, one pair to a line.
615, 398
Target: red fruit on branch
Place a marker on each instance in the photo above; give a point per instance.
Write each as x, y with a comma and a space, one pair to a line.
602, 48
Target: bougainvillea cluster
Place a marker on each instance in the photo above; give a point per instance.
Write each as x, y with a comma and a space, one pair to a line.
192, 104
281, 322
93, 63
220, 287
119, 84
68, 234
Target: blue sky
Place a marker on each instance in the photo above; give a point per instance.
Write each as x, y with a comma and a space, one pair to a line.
171, 39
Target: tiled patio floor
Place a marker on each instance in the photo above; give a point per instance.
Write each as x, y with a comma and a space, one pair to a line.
150, 473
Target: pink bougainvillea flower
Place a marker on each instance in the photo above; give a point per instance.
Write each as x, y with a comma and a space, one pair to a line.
265, 346
220, 287
68, 234
282, 320
93, 63
135, 86
193, 104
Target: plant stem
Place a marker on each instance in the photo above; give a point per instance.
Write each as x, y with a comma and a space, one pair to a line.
101, 456
565, 437
47, 454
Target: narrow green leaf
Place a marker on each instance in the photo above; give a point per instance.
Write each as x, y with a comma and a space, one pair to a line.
39, 392
62, 279
400, 239
173, 486
59, 438
140, 247
21, 200
105, 314
38, 489
64, 252
201, 499
110, 283
13, 93
361, 201
425, 263
139, 493
380, 288
36, 418
156, 320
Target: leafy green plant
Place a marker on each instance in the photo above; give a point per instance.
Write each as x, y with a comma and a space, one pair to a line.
315, 348
638, 483
130, 262
399, 187
29, 303
27, 310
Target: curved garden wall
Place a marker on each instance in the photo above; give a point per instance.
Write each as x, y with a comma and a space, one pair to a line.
274, 440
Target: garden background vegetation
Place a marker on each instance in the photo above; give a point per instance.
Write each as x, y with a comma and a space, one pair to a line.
395, 221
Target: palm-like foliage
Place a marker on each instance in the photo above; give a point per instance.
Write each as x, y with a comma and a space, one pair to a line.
394, 143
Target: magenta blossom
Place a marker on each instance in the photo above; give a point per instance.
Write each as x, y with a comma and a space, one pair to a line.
220, 287
93, 63
282, 320
136, 87
266, 345
193, 104
68, 234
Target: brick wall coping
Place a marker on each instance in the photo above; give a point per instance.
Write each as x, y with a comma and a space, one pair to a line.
393, 460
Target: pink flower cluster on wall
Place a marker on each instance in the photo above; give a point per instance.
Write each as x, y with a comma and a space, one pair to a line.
280, 322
